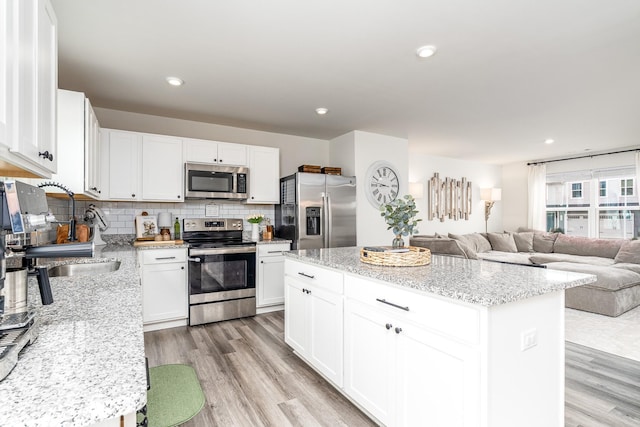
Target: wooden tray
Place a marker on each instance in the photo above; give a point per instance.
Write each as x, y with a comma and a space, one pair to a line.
145, 242
331, 171
309, 168
416, 256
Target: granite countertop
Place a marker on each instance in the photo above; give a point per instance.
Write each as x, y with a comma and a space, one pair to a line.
88, 362
473, 281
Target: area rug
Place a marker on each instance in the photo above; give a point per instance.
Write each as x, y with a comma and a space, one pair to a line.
175, 395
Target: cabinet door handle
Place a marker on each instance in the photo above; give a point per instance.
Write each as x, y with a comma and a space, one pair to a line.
388, 326
133, 195
398, 330
165, 257
261, 262
46, 155
384, 301
220, 160
275, 252
306, 275
182, 268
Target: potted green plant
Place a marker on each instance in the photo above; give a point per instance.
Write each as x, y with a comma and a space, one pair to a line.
400, 218
255, 220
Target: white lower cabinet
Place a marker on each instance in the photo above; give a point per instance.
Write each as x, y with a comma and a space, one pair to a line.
270, 282
164, 287
407, 359
313, 318
405, 375
401, 367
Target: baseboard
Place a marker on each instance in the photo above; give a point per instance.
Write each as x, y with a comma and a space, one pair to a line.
269, 309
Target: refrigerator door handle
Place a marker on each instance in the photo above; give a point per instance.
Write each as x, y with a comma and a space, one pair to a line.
323, 221
328, 227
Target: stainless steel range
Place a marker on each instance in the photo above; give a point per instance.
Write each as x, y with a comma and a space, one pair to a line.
222, 270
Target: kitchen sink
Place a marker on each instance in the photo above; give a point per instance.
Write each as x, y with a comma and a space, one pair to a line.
83, 268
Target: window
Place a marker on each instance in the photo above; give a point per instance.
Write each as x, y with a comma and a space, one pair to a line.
601, 203
576, 190
626, 187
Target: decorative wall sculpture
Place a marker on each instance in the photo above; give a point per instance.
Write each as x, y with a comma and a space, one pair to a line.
449, 198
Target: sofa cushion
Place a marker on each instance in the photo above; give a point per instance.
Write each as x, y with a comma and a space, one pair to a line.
475, 241
502, 242
629, 252
524, 241
575, 245
543, 242
628, 266
609, 278
508, 257
578, 259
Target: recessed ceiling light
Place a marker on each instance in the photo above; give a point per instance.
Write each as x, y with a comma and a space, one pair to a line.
549, 141
322, 111
426, 51
175, 81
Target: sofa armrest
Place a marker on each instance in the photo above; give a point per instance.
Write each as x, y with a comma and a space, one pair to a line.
443, 246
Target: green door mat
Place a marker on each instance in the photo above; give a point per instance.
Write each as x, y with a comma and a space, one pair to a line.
175, 395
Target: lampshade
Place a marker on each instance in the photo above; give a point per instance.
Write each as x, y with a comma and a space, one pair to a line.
416, 189
164, 220
490, 194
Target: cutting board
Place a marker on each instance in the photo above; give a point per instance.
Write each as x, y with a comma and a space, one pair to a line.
138, 243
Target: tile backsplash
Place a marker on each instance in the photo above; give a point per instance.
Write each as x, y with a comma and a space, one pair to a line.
121, 215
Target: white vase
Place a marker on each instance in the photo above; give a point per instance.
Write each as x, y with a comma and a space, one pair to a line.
255, 232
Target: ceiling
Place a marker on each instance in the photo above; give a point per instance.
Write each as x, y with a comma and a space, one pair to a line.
508, 74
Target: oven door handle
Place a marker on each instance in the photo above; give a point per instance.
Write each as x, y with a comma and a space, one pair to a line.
194, 259
223, 251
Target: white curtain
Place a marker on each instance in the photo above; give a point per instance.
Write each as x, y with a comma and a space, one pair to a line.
537, 218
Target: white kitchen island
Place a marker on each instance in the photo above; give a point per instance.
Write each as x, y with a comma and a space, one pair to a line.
455, 343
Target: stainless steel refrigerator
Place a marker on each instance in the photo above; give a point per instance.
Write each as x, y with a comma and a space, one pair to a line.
317, 210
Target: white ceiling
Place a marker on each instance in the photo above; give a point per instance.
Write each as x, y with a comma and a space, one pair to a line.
507, 75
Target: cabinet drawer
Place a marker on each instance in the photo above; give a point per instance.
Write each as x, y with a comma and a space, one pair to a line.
162, 256
274, 249
447, 318
319, 276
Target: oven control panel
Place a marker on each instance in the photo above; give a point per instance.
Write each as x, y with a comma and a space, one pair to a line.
212, 224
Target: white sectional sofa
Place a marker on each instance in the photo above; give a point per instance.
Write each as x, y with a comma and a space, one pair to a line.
616, 263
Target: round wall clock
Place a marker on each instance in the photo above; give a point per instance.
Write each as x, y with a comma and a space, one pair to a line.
381, 183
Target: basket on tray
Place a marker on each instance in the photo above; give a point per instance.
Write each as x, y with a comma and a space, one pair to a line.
414, 257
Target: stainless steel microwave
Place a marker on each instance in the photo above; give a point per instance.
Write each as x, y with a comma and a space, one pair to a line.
210, 181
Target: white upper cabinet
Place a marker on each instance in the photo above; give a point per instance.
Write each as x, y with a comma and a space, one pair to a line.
264, 175
224, 153
162, 168
29, 83
123, 152
78, 156
92, 158
6, 27
142, 167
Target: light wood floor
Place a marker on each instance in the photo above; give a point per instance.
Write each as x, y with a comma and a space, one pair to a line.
251, 378
601, 389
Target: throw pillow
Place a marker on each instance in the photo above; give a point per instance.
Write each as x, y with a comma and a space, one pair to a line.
475, 241
502, 242
543, 242
629, 252
524, 241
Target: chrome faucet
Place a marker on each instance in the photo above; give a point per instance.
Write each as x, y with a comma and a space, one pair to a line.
72, 220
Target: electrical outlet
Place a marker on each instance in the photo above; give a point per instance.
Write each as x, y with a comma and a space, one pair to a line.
528, 339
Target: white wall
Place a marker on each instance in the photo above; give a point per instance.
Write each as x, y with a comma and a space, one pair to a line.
515, 198
355, 152
294, 150
422, 167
